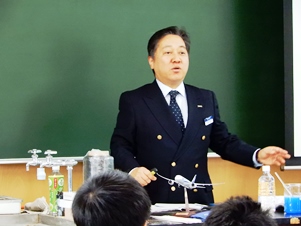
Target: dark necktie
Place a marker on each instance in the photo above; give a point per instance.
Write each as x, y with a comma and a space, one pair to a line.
175, 109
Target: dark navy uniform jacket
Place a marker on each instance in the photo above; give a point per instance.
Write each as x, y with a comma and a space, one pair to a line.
146, 134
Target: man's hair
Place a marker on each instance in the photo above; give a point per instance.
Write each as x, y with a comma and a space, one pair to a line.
239, 210
111, 198
173, 30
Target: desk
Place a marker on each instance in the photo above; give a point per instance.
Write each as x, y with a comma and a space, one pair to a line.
281, 219
284, 220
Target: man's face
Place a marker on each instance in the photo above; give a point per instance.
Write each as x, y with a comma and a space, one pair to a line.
170, 61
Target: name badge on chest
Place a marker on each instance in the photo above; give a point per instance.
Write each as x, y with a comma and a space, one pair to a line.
208, 120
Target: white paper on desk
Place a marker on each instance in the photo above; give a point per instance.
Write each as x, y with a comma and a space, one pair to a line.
177, 219
161, 207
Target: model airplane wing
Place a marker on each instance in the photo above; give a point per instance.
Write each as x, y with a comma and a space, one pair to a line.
182, 181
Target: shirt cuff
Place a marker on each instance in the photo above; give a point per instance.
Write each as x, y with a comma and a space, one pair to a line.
132, 170
256, 163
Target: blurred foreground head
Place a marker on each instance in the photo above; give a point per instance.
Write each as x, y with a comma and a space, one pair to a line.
109, 199
239, 210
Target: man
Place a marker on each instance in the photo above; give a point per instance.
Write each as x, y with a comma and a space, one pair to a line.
240, 210
111, 198
151, 131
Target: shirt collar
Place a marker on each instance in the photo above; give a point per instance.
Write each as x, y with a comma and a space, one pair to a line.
166, 89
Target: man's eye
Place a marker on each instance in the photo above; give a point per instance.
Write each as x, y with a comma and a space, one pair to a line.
183, 53
167, 52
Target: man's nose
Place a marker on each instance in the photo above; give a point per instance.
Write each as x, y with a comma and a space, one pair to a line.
176, 58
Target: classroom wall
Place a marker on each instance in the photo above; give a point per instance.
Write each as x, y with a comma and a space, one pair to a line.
59, 66
64, 64
238, 180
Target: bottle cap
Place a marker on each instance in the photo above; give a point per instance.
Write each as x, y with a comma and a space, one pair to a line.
266, 168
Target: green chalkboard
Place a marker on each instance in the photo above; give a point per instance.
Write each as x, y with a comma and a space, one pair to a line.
64, 64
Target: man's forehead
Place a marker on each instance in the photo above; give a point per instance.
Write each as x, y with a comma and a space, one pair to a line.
172, 46
171, 41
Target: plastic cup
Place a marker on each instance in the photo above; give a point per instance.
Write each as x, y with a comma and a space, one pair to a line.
292, 201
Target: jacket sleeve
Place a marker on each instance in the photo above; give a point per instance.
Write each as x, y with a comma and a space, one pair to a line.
228, 145
122, 141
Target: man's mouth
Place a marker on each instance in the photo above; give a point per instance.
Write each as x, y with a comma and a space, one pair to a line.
176, 69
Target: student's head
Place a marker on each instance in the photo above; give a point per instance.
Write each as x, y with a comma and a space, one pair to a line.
111, 198
168, 55
239, 210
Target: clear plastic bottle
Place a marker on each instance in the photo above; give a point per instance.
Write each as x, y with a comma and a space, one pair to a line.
56, 187
266, 189
96, 161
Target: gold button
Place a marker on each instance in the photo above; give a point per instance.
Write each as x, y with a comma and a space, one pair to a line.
196, 165
173, 164
195, 190
159, 137
173, 188
203, 137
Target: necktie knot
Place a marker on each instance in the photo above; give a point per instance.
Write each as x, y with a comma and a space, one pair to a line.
173, 93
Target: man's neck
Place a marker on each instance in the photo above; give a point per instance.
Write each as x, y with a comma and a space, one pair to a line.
172, 86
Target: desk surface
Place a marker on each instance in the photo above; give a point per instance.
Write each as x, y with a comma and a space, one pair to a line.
281, 219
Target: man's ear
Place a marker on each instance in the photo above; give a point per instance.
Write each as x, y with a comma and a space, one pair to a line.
146, 222
150, 62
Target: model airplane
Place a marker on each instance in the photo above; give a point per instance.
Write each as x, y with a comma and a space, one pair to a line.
182, 181
186, 184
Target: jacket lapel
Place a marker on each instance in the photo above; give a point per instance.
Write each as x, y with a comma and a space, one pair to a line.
195, 111
159, 108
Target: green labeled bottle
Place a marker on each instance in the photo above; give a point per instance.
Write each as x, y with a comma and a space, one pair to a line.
56, 187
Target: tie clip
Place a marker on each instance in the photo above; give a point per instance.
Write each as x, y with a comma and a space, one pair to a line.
199, 106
